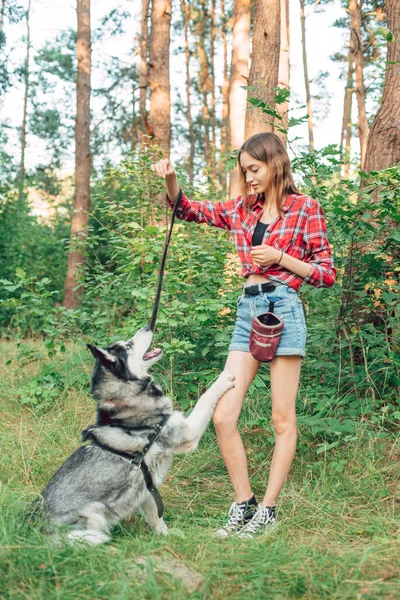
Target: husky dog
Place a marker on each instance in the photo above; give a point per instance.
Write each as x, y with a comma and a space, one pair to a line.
98, 484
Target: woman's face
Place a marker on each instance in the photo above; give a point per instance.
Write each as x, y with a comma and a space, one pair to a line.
255, 172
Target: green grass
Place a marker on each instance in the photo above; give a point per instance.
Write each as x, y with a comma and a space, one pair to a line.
339, 533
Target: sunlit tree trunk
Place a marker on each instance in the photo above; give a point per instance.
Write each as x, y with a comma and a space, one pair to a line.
356, 41
306, 78
143, 75
76, 259
213, 164
383, 147
204, 78
225, 102
160, 99
186, 18
345, 138
264, 73
21, 175
284, 67
238, 78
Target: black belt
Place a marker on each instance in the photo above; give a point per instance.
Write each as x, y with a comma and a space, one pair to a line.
259, 288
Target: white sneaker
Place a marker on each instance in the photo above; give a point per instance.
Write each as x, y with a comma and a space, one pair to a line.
238, 515
263, 522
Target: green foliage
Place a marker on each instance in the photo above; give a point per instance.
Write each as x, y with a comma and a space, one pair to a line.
351, 373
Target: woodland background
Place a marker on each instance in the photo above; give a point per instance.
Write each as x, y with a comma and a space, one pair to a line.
82, 225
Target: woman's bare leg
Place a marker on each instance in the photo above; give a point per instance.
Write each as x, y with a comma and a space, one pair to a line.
244, 367
285, 378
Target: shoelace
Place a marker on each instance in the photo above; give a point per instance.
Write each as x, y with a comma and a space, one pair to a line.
261, 517
235, 515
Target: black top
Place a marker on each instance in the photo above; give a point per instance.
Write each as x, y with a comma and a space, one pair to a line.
258, 234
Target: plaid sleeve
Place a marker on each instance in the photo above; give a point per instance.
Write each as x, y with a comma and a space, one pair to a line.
323, 272
212, 213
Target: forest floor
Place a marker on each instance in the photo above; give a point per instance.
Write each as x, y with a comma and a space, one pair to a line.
339, 513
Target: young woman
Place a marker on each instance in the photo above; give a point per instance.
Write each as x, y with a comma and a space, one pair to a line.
280, 236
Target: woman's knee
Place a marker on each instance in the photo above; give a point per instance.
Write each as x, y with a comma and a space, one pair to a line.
224, 421
283, 423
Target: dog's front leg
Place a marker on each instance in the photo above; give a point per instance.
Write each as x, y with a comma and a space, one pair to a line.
150, 513
196, 423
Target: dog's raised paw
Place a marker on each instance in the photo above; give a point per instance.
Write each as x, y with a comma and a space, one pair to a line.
227, 379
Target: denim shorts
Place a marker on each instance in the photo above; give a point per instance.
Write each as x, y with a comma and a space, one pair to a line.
287, 305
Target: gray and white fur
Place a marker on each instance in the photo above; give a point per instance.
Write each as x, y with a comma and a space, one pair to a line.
94, 488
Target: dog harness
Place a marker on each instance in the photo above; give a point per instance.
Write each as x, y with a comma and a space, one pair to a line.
137, 459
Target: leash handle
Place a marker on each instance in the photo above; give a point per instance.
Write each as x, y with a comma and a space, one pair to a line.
162, 265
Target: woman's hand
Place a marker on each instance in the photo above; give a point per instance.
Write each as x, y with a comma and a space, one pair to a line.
264, 256
164, 168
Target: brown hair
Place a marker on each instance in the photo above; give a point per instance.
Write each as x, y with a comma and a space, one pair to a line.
268, 148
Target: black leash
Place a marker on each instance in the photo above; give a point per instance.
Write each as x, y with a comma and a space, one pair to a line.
162, 265
137, 459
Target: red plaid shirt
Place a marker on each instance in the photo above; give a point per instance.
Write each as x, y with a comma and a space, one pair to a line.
301, 233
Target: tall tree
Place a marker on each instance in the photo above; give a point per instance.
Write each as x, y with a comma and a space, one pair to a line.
212, 74
306, 77
355, 7
225, 101
264, 73
345, 138
76, 257
21, 175
383, 147
284, 65
238, 78
143, 77
160, 98
186, 19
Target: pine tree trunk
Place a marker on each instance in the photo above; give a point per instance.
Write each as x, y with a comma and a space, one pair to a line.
143, 74
345, 138
238, 77
204, 79
284, 68
306, 78
225, 103
160, 99
356, 37
264, 73
73, 289
186, 19
213, 162
383, 147
21, 175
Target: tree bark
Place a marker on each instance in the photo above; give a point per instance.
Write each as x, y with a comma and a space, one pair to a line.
356, 37
383, 147
306, 78
238, 77
186, 19
160, 99
73, 289
225, 103
284, 67
204, 77
345, 138
264, 73
213, 98
21, 175
143, 74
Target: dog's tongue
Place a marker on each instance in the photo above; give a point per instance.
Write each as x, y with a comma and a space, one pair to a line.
152, 353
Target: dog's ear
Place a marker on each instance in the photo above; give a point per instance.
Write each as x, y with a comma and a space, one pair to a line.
106, 359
